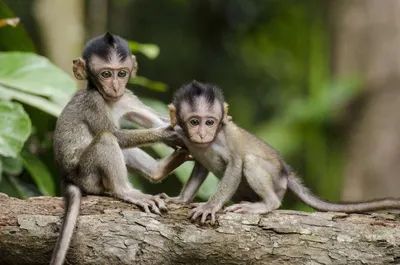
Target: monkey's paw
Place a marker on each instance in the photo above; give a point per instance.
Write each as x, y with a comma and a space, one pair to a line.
150, 204
204, 210
172, 138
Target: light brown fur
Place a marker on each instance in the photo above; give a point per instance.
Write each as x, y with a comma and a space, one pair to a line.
250, 171
91, 150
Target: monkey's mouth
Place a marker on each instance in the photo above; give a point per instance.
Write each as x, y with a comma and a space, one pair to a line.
114, 98
201, 144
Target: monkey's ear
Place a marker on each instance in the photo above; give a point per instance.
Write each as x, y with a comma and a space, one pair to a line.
172, 115
79, 68
135, 66
226, 118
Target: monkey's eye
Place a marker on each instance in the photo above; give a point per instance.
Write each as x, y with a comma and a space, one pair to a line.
209, 122
106, 74
194, 122
122, 73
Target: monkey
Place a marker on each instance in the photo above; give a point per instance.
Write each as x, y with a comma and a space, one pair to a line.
252, 173
91, 150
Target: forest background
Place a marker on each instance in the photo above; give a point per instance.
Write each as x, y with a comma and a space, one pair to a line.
316, 79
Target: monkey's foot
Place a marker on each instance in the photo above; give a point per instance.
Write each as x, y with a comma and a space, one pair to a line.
149, 203
204, 210
250, 207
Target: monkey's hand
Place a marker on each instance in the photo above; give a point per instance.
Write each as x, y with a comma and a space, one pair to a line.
149, 203
204, 210
171, 137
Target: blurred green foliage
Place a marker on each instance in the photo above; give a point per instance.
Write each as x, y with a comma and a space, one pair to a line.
35, 82
272, 59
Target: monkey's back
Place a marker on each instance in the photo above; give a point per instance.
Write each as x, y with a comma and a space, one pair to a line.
72, 134
233, 140
246, 143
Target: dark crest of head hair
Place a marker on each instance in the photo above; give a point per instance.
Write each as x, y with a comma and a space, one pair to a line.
102, 45
194, 90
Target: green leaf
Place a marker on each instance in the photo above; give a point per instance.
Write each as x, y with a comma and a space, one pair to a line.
22, 191
9, 188
153, 85
32, 100
35, 74
15, 128
155, 104
12, 166
39, 172
151, 51
13, 39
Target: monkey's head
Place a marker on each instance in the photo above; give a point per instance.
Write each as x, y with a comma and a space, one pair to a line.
107, 63
200, 110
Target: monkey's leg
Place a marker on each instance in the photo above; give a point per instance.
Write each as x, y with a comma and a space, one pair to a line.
102, 167
259, 175
152, 169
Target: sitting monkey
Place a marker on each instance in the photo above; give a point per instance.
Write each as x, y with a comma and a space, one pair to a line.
250, 171
92, 151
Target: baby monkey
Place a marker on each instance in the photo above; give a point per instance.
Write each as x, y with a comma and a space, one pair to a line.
91, 149
250, 171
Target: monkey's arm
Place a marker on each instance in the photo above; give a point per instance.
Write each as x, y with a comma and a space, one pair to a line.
143, 115
225, 190
153, 170
197, 177
129, 138
135, 138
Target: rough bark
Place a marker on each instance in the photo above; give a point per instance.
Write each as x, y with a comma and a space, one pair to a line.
113, 232
366, 44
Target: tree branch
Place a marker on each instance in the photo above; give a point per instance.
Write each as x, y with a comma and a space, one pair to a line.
113, 232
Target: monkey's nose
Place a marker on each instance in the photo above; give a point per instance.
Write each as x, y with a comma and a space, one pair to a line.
115, 85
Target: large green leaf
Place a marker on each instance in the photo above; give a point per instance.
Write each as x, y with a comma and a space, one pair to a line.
145, 82
151, 51
12, 166
22, 190
39, 173
35, 74
15, 128
38, 102
13, 39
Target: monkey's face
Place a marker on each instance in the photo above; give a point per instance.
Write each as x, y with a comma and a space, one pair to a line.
111, 76
201, 121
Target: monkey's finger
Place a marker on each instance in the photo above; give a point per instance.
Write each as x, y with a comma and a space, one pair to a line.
154, 208
231, 208
195, 213
145, 207
241, 210
212, 218
189, 158
204, 217
160, 203
190, 214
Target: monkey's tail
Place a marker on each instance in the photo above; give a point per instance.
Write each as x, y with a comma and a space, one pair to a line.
295, 185
73, 197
